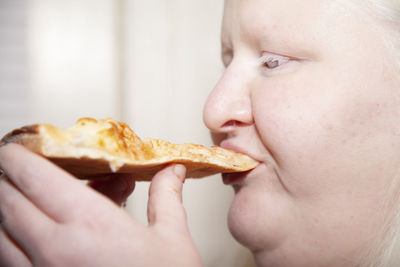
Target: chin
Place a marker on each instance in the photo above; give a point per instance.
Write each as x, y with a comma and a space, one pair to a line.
241, 221
256, 220
260, 211
260, 227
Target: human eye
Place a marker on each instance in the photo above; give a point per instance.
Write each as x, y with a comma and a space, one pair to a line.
271, 61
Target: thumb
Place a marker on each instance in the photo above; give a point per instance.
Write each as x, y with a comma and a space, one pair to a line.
165, 198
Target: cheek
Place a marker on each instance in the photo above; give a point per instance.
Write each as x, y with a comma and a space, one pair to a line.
336, 154
293, 127
326, 139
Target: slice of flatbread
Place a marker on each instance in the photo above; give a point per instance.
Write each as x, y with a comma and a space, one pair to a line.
98, 147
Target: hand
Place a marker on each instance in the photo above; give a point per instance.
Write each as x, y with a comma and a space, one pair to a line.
50, 218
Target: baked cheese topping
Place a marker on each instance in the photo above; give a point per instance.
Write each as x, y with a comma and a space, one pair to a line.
114, 143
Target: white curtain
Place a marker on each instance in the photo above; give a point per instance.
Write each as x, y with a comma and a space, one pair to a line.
13, 65
150, 63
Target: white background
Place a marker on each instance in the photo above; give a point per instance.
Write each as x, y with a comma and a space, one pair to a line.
150, 63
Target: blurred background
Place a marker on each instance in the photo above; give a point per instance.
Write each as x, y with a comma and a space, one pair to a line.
150, 63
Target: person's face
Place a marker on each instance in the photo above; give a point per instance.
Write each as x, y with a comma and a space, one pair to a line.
309, 91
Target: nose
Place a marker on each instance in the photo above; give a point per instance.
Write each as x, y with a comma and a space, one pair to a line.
228, 106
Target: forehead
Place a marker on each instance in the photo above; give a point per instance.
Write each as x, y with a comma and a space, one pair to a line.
297, 18
263, 8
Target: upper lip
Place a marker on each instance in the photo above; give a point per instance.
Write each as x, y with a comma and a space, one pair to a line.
227, 144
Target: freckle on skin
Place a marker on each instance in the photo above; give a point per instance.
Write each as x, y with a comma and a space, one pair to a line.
184, 178
176, 191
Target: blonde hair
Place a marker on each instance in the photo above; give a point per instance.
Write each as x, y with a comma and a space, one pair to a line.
387, 15
386, 10
382, 244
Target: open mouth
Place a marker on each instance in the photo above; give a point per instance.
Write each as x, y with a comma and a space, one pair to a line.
236, 177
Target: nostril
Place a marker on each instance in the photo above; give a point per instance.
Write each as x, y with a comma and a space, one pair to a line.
232, 123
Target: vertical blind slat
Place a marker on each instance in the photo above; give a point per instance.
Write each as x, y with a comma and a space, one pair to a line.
13, 65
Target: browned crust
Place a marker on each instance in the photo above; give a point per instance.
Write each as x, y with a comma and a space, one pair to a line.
13, 136
26, 136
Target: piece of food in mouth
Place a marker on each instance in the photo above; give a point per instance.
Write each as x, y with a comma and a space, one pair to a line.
94, 148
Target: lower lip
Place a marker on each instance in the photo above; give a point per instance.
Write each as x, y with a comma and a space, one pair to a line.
234, 178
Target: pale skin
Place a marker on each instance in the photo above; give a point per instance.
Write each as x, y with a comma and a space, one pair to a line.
51, 219
310, 91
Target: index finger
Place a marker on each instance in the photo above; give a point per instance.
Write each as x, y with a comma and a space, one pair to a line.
50, 188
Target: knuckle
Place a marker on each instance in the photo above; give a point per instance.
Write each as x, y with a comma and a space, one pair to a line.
25, 180
8, 204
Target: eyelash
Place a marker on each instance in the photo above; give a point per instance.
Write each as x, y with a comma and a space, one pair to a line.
271, 61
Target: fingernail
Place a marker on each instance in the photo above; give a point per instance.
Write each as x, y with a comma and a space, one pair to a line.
180, 172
